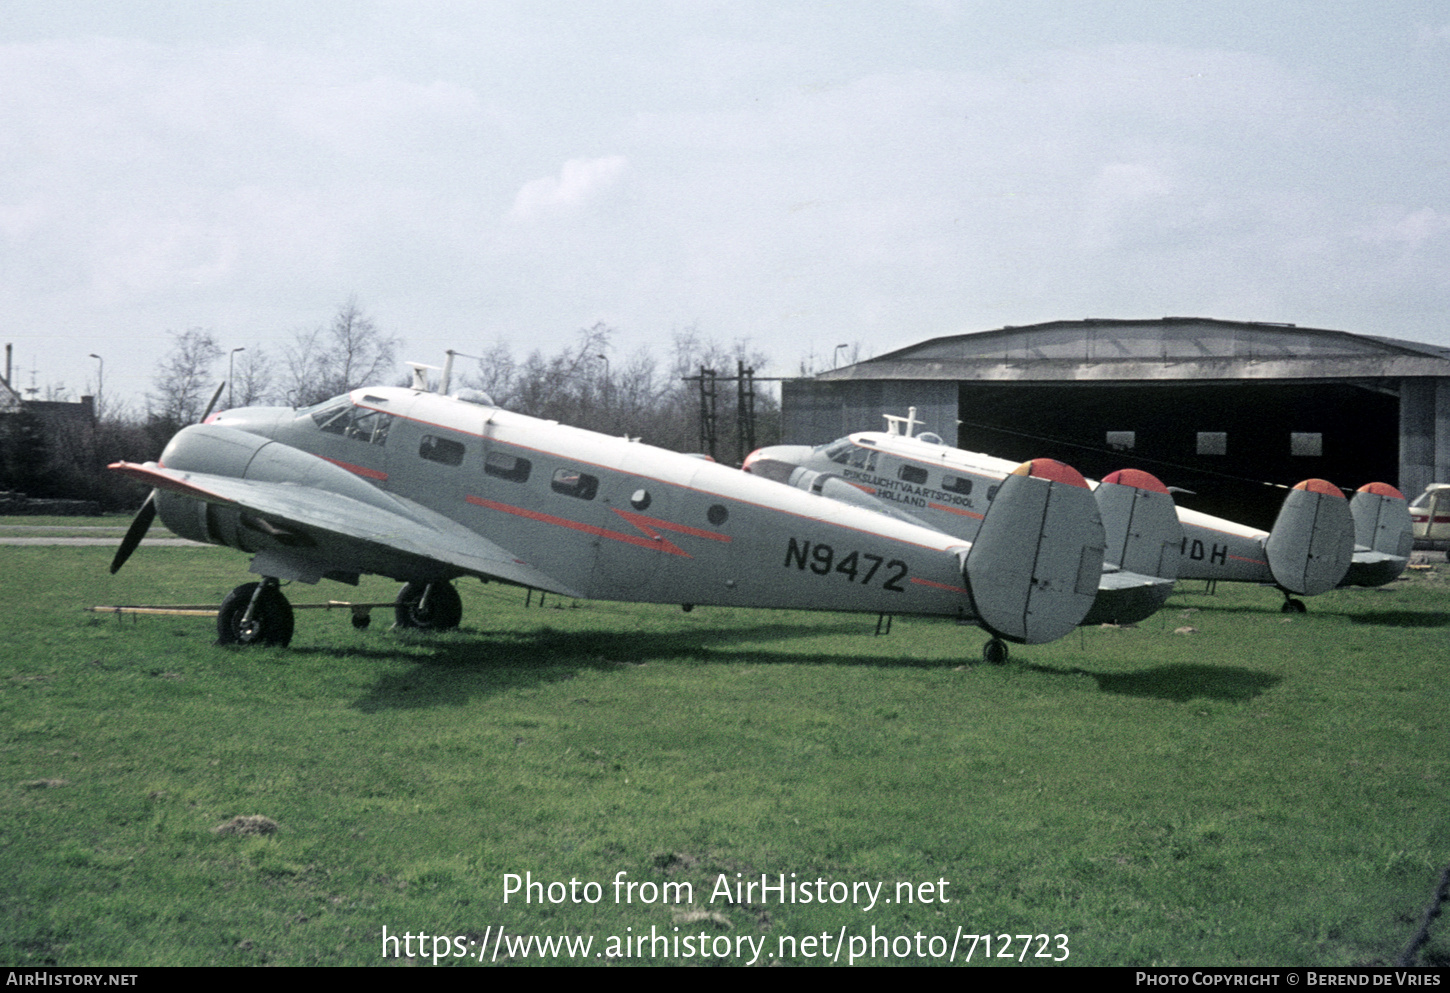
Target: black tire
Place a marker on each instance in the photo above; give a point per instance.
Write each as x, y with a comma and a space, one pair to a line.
994, 652
444, 611
271, 620
361, 621
1292, 606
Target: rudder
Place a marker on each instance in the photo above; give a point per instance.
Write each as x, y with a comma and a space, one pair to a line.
1034, 567
1312, 541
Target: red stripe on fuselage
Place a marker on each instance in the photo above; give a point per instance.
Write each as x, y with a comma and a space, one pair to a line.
655, 542
357, 470
954, 510
940, 586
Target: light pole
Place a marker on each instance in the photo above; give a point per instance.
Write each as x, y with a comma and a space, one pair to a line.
100, 385
836, 355
231, 364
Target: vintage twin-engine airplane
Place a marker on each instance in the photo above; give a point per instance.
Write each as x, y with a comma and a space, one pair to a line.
1319, 540
426, 488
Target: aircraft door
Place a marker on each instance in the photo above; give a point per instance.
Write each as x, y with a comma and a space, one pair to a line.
634, 543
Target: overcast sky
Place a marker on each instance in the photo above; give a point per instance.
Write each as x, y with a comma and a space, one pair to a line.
800, 174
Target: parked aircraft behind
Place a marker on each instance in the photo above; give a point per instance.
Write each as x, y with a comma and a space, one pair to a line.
426, 489
1319, 540
1430, 514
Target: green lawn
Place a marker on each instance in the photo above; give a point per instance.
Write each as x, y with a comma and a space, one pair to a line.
1263, 789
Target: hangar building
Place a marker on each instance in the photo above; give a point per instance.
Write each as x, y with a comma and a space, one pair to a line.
1232, 411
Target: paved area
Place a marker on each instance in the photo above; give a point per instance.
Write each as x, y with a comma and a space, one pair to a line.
111, 542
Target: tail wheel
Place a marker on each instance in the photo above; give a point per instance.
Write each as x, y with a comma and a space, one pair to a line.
1292, 606
271, 620
429, 606
994, 652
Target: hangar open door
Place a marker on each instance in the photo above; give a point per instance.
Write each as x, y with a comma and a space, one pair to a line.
1223, 441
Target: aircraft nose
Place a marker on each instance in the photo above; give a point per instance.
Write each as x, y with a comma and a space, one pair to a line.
775, 463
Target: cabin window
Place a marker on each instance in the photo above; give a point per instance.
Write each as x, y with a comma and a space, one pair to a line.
1306, 443
502, 465
717, 514
1212, 443
957, 484
911, 474
1122, 441
572, 482
640, 499
443, 450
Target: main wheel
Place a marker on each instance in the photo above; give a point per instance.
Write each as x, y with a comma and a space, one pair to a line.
994, 652
271, 622
430, 606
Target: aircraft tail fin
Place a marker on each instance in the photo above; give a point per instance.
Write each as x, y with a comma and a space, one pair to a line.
1312, 541
1383, 535
1144, 541
1034, 568
1141, 523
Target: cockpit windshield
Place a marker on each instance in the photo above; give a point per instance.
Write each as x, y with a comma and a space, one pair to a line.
339, 416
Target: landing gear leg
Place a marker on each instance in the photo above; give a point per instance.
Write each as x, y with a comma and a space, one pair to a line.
994, 652
255, 614
1292, 606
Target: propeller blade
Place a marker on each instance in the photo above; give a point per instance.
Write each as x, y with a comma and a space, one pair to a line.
214, 398
135, 532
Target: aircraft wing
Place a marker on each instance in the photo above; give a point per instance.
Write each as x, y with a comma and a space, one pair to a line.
318, 528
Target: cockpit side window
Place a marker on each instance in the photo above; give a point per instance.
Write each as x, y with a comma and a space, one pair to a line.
840, 451
359, 423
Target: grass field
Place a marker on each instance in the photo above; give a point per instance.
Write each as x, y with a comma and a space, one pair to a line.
1261, 789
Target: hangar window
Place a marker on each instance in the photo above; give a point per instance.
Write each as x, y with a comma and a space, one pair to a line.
1308, 443
911, 473
572, 482
957, 484
502, 465
1213, 443
443, 450
1122, 441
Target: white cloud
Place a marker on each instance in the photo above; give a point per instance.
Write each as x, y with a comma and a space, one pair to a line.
578, 182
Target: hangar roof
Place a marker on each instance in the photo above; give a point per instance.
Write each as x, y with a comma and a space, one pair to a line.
1169, 348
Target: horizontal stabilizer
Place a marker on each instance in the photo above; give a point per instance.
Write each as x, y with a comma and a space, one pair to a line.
1312, 541
1383, 535
1034, 568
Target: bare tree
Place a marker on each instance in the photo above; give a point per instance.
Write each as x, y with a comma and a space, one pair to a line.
180, 387
325, 361
583, 387
252, 378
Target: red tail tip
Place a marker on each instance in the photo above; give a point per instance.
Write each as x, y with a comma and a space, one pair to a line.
1321, 486
1382, 489
1052, 471
1136, 478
